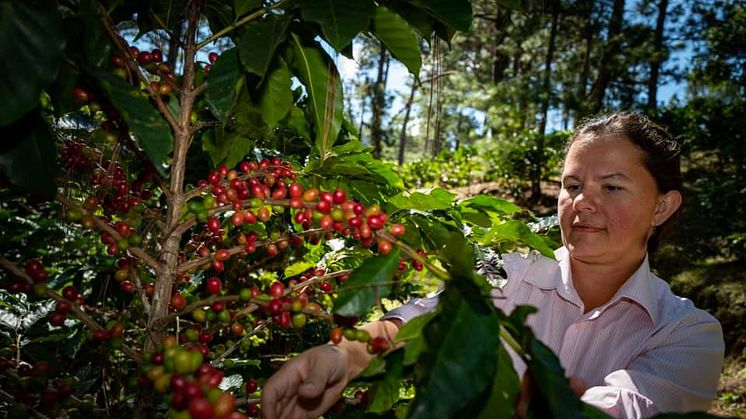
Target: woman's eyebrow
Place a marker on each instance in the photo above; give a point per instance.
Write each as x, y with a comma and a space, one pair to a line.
615, 175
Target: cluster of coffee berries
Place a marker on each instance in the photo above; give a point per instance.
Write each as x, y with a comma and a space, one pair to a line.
36, 385
76, 155
212, 57
189, 385
38, 275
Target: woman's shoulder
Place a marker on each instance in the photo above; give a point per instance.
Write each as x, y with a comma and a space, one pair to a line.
679, 315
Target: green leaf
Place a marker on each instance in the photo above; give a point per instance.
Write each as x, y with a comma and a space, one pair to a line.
340, 20
386, 391
30, 163
241, 7
516, 232
552, 385
258, 42
399, 38
31, 44
411, 332
324, 88
299, 123
505, 388
151, 131
461, 356
412, 329
360, 166
298, 268
492, 204
435, 199
96, 43
276, 98
223, 84
453, 13
369, 282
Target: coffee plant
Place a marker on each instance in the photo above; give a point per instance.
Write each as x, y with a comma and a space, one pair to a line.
185, 208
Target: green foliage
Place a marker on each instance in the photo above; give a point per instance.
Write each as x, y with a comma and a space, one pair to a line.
31, 33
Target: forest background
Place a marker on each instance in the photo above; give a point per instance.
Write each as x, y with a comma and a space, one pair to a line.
493, 110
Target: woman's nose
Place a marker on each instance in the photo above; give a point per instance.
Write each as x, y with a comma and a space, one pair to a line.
584, 202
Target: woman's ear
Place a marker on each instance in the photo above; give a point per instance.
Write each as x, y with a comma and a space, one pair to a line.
668, 203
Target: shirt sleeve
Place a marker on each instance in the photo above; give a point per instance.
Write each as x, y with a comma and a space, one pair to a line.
680, 375
415, 307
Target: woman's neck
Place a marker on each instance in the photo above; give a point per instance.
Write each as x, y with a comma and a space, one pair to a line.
596, 283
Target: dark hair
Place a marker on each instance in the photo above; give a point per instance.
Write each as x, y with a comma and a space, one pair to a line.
662, 152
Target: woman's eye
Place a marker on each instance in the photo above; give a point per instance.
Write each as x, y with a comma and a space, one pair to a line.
572, 187
612, 188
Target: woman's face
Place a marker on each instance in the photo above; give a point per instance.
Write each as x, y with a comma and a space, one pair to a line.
608, 201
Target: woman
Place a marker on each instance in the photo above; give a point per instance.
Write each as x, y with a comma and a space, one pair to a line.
629, 346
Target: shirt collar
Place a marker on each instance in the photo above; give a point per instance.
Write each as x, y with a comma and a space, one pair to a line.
639, 287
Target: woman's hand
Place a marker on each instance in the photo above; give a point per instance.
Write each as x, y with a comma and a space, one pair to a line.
306, 386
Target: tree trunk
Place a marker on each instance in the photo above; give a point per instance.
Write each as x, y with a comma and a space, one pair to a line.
405, 122
657, 58
500, 61
608, 57
379, 103
546, 93
581, 93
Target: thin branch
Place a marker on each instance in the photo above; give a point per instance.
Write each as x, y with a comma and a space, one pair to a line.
244, 20
261, 326
435, 269
74, 307
103, 225
194, 263
131, 63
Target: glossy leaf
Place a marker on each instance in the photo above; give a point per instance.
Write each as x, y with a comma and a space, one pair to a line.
398, 37
492, 204
462, 348
96, 42
553, 388
276, 97
340, 20
505, 388
298, 268
411, 333
324, 89
453, 13
385, 392
434, 199
369, 282
223, 83
258, 43
31, 44
514, 231
147, 125
29, 162
353, 161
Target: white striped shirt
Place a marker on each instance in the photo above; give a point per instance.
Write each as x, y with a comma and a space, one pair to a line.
644, 352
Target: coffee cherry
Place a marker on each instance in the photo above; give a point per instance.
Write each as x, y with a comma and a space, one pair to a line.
157, 55
378, 345
80, 95
335, 335
397, 230
200, 408
375, 222
213, 285
177, 302
384, 246
144, 58
222, 255
277, 289
339, 196
213, 56
70, 293
251, 386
